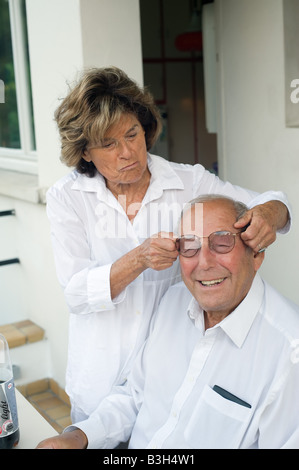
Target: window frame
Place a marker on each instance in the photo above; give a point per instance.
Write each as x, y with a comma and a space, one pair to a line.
25, 158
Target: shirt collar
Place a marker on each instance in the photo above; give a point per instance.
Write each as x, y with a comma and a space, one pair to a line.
162, 177
238, 323
88, 184
162, 171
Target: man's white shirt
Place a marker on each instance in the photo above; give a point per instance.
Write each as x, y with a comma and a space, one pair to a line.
253, 354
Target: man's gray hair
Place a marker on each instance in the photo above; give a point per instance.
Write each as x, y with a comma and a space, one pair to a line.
239, 206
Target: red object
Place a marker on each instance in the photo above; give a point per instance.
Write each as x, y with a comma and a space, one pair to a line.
189, 41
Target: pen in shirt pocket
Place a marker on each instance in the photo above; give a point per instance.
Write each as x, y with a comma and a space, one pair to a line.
229, 396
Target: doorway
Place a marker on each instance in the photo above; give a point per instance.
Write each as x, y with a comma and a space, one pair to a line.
173, 72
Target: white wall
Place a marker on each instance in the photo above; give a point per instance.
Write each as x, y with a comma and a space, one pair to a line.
55, 49
291, 36
256, 149
111, 35
11, 276
65, 36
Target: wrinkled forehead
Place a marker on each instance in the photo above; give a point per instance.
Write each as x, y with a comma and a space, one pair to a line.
203, 218
192, 220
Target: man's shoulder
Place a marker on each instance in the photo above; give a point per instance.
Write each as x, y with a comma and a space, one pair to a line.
173, 308
178, 289
177, 297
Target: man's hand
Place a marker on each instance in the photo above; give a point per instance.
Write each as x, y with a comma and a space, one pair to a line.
264, 220
69, 440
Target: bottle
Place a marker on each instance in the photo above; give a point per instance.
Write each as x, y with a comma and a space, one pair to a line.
9, 426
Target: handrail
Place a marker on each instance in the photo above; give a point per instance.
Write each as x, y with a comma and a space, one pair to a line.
9, 212
9, 261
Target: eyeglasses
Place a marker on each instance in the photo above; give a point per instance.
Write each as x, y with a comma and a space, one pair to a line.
219, 242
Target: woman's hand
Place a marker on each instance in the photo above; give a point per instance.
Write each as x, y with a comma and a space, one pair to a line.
159, 252
263, 220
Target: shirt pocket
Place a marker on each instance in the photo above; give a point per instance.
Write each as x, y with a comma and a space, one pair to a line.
216, 423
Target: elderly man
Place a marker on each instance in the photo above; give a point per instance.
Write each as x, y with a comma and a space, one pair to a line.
220, 368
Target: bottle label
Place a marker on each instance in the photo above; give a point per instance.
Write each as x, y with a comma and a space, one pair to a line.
8, 409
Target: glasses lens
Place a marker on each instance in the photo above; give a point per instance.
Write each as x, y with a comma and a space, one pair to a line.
189, 246
222, 242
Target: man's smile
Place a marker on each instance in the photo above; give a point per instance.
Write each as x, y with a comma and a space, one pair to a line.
213, 282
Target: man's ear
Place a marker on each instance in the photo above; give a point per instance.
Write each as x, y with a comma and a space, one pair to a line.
258, 259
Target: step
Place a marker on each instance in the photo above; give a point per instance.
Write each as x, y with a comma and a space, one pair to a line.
30, 356
22, 332
29, 351
50, 401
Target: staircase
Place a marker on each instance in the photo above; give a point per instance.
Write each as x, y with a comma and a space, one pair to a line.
30, 356
22, 332
29, 351
50, 401
28, 344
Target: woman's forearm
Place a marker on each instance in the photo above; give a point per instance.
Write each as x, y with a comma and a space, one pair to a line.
157, 252
124, 271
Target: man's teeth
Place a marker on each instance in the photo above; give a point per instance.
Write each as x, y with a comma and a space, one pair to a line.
212, 283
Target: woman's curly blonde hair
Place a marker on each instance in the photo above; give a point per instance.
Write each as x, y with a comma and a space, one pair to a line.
97, 102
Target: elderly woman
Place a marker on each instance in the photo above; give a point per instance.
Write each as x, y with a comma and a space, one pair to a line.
113, 220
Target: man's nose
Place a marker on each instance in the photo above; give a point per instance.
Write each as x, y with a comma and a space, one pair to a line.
206, 257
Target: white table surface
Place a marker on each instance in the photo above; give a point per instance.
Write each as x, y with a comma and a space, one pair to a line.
33, 427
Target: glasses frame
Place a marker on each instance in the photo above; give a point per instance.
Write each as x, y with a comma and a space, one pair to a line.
227, 232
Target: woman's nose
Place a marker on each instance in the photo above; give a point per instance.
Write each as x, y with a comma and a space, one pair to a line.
124, 150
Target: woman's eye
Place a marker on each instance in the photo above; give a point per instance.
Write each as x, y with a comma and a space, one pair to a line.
108, 145
132, 136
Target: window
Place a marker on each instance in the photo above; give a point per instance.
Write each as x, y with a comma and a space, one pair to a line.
17, 141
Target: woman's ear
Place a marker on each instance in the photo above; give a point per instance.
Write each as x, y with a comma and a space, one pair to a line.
86, 156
